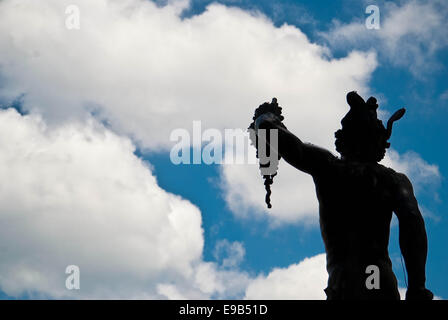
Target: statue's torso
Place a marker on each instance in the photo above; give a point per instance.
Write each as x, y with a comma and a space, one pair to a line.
355, 206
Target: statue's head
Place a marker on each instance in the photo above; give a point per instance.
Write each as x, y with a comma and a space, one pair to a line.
363, 136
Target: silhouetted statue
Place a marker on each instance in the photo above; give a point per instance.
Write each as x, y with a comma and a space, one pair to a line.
356, 199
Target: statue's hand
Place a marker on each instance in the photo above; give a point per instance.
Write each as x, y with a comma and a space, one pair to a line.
268, 121
419, 294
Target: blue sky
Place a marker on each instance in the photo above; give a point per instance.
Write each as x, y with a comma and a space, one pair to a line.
404, 64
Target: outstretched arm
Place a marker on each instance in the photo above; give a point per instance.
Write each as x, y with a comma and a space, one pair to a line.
303, 156
413, 240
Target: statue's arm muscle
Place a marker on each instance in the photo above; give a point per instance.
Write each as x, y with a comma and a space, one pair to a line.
413, 240
303, 156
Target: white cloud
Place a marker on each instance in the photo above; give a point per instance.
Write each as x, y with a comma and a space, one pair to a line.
147, 71
221, 282
421, 173
303, 281
293, 195
231, 254
410, 34
78, 195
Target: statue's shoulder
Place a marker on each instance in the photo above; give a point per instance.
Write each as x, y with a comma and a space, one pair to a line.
397, 178
387, 170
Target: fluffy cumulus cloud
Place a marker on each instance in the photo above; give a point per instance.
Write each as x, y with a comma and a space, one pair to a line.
231, 254
422, 173
305, 280
293, 195
78, 195
302, 281
410, 33
146, 71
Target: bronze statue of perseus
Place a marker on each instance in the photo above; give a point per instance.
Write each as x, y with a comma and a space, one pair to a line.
357, 197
